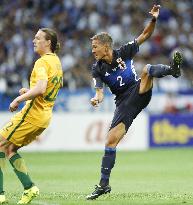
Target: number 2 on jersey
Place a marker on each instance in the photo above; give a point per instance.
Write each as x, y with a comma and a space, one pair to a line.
120, 79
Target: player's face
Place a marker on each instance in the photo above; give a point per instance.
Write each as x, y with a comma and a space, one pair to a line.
98, 49
41, 45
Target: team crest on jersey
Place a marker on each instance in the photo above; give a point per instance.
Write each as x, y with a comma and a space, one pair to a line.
121, 63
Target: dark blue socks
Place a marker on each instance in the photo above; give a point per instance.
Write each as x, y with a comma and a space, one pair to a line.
108, 162
159, 70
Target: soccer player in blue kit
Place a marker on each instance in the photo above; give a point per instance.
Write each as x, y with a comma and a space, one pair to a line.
115, 69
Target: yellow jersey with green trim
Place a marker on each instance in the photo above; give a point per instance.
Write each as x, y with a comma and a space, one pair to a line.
39, 110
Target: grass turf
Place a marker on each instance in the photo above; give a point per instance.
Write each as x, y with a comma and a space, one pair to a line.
154, 177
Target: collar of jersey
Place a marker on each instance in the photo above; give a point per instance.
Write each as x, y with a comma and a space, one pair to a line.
113, 62
49, 54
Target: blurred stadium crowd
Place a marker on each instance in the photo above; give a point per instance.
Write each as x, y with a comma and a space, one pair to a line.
78, 20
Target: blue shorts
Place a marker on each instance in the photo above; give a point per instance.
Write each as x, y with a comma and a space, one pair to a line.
129, 104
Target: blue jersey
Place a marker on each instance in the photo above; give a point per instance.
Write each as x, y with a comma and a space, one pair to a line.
120, 74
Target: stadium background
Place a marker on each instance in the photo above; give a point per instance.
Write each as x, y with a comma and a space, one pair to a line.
76, 126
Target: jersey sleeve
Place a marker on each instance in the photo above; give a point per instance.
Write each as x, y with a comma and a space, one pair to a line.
41, 70
98, 83
129, 50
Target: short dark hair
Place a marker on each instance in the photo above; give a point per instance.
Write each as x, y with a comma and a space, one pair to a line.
52, 36
104, 38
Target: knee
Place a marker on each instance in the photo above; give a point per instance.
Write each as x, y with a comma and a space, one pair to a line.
11, 150
111, 141
115, 135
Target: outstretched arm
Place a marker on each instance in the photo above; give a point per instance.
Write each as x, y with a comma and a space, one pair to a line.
147, 32
39, 89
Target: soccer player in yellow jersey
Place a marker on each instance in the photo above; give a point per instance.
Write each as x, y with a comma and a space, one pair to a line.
45, 81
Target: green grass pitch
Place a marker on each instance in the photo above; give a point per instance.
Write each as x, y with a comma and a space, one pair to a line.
154, 177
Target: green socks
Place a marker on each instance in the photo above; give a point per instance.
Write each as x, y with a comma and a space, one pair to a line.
20, 169
2, 164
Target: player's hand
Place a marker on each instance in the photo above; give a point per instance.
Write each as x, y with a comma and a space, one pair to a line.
94, 102
14, 105
23, 90
155, 11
